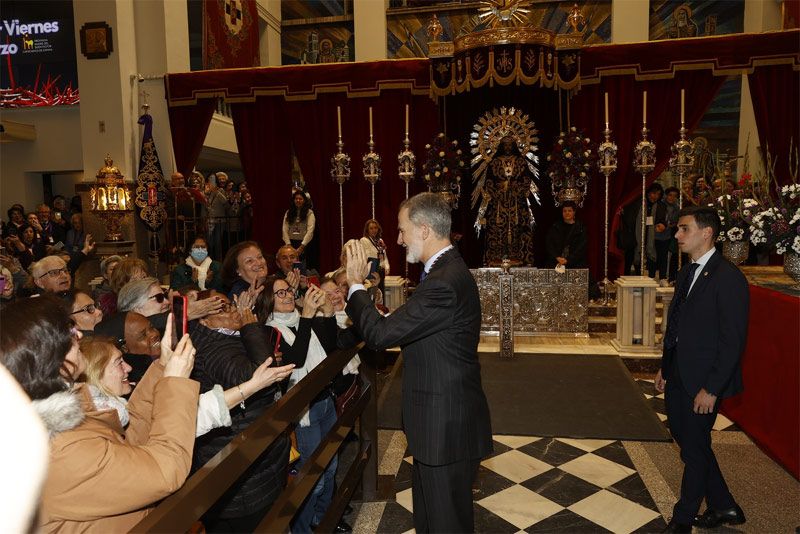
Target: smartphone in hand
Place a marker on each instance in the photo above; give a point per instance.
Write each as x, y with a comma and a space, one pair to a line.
300, 266
374, 264
180, 307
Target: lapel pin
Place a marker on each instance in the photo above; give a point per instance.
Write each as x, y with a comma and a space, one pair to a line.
705, 273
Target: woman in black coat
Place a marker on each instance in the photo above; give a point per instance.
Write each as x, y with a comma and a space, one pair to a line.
228, 359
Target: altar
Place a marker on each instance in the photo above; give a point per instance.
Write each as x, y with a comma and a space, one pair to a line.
538, 301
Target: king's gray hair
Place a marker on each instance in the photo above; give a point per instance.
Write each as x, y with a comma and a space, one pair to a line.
430, 209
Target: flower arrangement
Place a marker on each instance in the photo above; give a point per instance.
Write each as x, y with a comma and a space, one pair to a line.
778, 224
444, 168
736, 213
570, 161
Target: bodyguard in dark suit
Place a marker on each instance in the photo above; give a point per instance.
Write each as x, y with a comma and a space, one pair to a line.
703, 345
445, 414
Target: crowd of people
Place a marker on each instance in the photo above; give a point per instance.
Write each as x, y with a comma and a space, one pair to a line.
120, 393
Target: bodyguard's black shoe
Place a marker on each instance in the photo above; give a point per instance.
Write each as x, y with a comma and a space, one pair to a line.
343, 527
714, 518
674, 526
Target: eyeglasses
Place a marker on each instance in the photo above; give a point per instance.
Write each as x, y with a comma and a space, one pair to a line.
55, 272
228, 307
159, 297
89, 308
281, 293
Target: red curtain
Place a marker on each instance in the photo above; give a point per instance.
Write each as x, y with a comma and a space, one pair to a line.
776, 102
768, 409
313, 130
265, 153
189, 125
625, 108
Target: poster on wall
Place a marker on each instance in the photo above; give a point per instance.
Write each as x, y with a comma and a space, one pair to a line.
37, 54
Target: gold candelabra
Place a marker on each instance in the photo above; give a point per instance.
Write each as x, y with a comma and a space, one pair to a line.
340, 172
607, 152
644, 161
681, 163
110, 199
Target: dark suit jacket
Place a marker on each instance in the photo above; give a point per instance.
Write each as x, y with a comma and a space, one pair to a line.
445, 414
712, 330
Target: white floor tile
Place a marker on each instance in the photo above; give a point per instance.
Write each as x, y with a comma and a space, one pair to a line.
405, 500
516, 466
613, 512
520, 506
597, 470
515, 442
587, 445
722, 422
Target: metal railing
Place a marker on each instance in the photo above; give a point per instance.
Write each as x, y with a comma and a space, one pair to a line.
178, 512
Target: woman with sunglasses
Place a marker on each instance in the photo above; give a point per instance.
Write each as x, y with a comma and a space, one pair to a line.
305, 341
100, 477
83, 311
146, 297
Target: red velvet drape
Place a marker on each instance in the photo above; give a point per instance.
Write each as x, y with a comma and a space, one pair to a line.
313, 130
768, 409
625, 109
189, 125
776, 102
265, 153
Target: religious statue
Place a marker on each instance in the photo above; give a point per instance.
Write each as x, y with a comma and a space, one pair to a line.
503, 144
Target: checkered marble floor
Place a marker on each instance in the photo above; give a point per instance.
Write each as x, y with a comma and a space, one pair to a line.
532, 484
656, 401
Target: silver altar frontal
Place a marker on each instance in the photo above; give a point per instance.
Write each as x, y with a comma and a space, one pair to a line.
533, 302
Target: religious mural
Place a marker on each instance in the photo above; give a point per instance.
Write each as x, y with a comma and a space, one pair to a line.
407, 21
316, 32
674, 19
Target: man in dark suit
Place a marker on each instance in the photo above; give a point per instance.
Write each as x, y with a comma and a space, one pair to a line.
445, 414
703, 345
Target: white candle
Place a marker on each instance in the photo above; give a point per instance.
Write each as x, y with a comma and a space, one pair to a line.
644, 108
682, 104
339, 119
370, 122
406, 120
606, 111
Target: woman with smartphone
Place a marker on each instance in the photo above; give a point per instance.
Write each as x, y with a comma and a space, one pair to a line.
305, 341
100, 477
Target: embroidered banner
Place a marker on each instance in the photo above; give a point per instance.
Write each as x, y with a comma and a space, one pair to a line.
230, 34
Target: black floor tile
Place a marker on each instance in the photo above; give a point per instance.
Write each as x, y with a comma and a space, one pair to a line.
561, 487
656, 525
566, 521
633, 489
487, 483
403, 479
616, 453
486, 521
395, 519
551, 451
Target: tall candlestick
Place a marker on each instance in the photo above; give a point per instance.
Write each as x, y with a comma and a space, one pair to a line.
683, 100
644, 108
370, 122
339, 119
406, 120
606, 111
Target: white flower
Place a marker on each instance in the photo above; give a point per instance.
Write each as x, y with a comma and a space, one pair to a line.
780, 248
796, 244
441, 154
445, 169
583, 174
569, 154
735, 234
437, 173
586, 153
560, 141
587, 140
749, 203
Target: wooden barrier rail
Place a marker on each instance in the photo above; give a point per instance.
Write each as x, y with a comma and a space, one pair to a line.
179, 511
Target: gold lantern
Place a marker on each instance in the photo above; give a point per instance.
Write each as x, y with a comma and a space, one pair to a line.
111, 199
